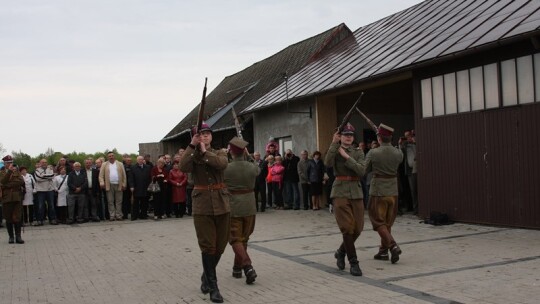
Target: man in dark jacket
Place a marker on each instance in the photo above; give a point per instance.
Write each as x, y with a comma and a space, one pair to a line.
92, 192
291, 179
260, 181
139, 181
77, 184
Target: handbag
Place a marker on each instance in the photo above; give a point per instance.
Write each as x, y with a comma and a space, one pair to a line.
153, 187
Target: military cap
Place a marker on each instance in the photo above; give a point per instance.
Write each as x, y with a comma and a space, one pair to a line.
385, 130
7, 159
347, 130
237, 145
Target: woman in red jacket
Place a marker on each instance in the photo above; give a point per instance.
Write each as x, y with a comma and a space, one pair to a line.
277, 172
159, 174
178, 181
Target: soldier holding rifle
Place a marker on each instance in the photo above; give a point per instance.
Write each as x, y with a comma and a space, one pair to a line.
211, 210
348, 165
11, 182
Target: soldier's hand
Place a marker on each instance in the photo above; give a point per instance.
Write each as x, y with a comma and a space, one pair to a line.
203, 147
196, 139
336, 138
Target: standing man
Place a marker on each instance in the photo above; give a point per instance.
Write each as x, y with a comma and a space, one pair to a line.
140, 179
304, 181
77, 184
408, 148
92, 191
240, 178
260, 181
291, 180
11, 182
126, 194
348, 164
384, 162
112, 178
45, 192
211, 210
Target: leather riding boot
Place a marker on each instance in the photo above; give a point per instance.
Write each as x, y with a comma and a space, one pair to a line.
237, 272
355, 268
18, 238
204, 284
348, 243
340, 257
209, 265
9, 227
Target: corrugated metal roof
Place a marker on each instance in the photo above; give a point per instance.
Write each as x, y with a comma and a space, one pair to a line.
427, 31
250, 84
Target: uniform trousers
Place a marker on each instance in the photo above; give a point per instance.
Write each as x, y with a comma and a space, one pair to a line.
212, 232
382, 213
11, 211
241, 230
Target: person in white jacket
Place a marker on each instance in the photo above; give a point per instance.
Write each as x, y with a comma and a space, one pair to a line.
60, 183
28, 200
45, 192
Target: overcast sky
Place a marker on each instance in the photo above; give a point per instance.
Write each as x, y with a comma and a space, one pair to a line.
93, 75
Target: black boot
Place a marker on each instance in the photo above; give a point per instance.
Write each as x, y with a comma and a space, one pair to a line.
237, 272
204, 284
18, 238
382, 254
9, 227
355, 268
340, 257
250, 274
209, 265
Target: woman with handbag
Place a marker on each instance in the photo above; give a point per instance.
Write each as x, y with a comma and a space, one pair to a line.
159, 175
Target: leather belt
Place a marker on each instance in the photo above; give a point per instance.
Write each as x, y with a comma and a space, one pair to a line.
210, 187
241, 191
383, 176
347, 178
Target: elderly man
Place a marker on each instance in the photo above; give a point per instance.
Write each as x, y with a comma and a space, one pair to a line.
77, 184
260, 181
112, 178
291, 179
139, 181
45, 192
92, 191
304, 181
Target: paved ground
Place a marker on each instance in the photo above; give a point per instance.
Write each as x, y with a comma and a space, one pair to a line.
292, 251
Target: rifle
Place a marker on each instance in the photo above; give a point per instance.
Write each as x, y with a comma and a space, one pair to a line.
201, 108
370, 123
349, 114
237, 124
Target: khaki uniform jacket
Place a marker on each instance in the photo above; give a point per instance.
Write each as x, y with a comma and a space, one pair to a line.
206, 170
11, 183
384, 160
240, 175
104, 177
354, 166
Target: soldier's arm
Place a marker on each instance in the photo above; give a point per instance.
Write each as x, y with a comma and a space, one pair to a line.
330, 158
368, 162
12, 180
186, 162
356, 163
216, 160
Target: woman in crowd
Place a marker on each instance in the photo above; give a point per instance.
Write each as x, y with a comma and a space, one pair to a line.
178, 181
269, 192
61, 188
159, 175
277, 172
28, 199
315, 173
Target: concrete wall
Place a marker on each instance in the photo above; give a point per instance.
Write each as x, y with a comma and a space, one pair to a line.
278, 123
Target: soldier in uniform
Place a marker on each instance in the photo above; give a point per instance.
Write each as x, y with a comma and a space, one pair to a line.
240, 178
11, 182
211, 210
383, 207
348, 164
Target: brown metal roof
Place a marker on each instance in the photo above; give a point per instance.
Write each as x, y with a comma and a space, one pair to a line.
427, 31
250, 84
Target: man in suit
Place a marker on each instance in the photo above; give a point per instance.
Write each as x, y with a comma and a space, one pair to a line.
139, 181
77, 183
92, 191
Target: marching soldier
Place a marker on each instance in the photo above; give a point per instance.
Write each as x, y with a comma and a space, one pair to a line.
211, 210
383, 207
240, 178
348, 164
11, 182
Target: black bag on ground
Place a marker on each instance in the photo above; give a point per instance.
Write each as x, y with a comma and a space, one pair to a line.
438, 218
